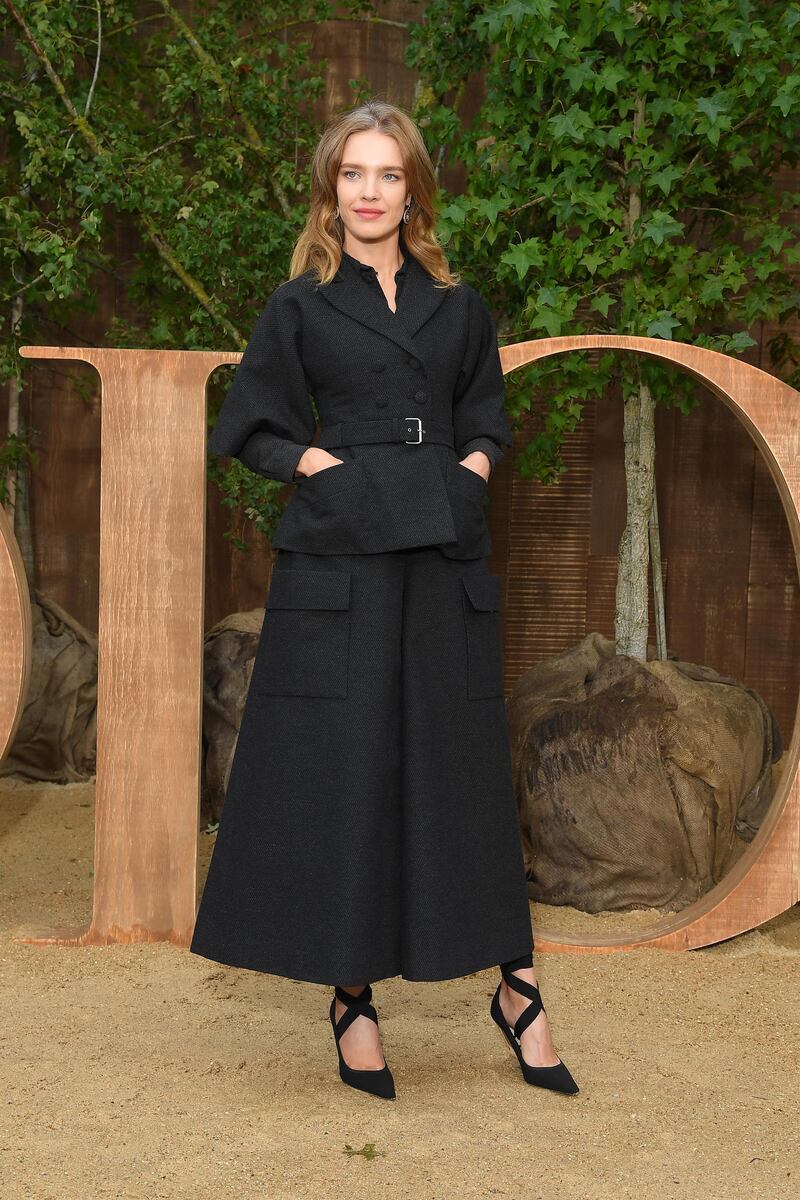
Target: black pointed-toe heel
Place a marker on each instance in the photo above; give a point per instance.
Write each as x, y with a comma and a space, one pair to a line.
556, 1077
378, 1080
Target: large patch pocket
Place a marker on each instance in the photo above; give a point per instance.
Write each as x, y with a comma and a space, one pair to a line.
481, 602
305, 640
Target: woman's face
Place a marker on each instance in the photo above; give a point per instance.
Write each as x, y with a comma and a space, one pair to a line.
371, 185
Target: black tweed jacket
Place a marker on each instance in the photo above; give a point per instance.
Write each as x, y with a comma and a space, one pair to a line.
432, 368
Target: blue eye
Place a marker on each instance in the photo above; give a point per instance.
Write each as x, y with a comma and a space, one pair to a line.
389, 174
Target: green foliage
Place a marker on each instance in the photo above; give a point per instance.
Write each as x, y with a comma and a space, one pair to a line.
620, 177
164, 164
15, 453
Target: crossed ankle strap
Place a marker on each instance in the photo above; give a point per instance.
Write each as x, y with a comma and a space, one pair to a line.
529, 1015
357, 1006
364, 996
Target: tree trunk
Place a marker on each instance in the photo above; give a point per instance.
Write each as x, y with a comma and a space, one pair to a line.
631, 615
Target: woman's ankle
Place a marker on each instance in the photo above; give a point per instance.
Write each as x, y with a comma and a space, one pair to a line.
518, 964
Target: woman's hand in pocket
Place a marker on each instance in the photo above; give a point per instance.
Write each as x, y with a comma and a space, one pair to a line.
315, 459
478, 462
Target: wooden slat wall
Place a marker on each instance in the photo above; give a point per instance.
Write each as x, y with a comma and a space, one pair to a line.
708, 548
548, 555
773, 627
65, 489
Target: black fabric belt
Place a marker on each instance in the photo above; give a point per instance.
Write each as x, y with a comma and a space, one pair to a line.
393, 429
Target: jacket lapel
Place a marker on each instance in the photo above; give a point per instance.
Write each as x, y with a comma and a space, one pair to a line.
419, 300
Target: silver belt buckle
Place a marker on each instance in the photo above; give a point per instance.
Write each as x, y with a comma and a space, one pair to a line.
412, 441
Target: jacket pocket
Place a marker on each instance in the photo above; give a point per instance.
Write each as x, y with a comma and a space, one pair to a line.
337, 474
466, 493
305, 639
473, 483
480, 596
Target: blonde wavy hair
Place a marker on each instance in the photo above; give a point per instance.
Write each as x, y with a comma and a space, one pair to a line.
319, 246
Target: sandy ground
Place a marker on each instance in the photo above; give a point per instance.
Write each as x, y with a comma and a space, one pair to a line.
146, 1071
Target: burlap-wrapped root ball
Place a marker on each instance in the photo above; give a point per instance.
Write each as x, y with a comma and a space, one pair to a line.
228, 655
639, 784
56, 739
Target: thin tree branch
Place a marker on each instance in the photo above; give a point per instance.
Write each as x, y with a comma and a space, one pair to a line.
154, 234
88, 104
133, 24
512, 212
83, 125
96, 72
188, 137
366, 20
23, 287
710, 208
210, 65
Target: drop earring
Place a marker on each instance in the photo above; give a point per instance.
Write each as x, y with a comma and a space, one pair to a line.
336, 213
406, 212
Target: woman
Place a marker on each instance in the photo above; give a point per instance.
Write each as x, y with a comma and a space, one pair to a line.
369, 826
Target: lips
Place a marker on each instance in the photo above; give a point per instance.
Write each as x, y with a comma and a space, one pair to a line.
370, 212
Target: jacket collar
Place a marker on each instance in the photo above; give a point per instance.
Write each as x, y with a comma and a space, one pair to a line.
419, 300
366, 269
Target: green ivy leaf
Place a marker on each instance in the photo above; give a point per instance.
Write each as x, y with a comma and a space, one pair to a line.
663, 326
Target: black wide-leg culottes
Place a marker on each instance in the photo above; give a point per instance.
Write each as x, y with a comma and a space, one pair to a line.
369, 828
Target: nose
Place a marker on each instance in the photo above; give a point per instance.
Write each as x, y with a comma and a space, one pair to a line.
368, 195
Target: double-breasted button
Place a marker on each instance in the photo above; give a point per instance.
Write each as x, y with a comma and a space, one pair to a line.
381, 402
379, 365
415, 363
420, 397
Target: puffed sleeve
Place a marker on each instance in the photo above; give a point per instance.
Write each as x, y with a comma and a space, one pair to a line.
266, 419
479, 416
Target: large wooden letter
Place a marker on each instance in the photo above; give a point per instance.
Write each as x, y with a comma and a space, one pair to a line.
766, 879
149, 696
